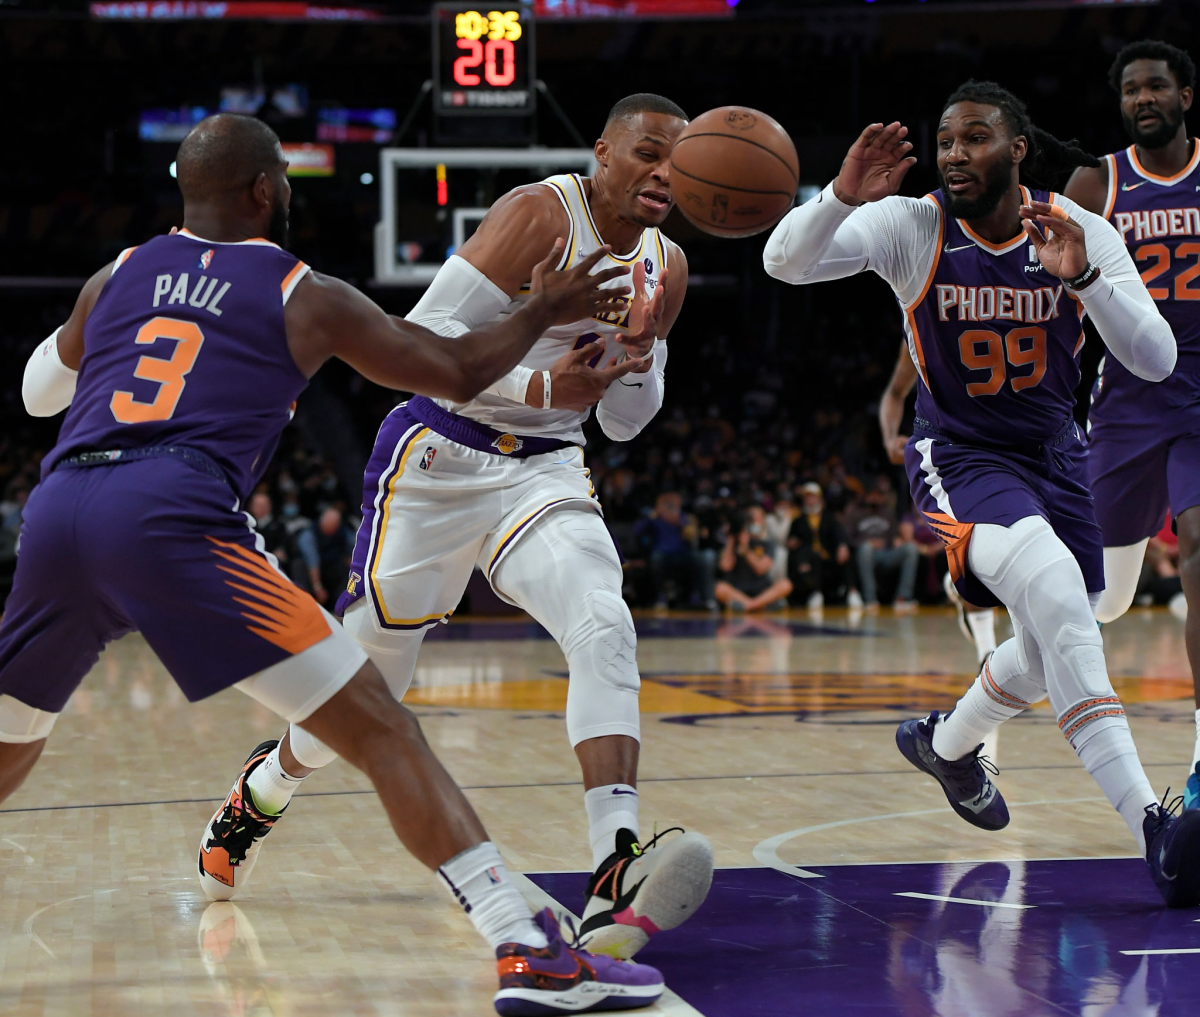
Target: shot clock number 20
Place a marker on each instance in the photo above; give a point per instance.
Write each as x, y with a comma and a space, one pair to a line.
483, 59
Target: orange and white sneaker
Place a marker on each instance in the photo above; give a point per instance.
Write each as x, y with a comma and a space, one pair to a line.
234, 835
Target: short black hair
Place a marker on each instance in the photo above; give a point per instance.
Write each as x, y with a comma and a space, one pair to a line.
644, 102
1177, 60
1048, 158
223, 153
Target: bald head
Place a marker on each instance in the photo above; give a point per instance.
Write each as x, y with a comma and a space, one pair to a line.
225, 154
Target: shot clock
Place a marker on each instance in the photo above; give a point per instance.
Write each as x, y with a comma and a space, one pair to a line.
483, 59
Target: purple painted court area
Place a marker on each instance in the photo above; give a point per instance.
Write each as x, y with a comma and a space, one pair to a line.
766, 944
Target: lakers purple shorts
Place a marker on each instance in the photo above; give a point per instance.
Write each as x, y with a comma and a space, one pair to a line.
955, 486
154, 545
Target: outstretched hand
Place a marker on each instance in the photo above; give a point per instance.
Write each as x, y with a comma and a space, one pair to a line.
875, 165
641, 343
574, 294
578, 386
1060, 242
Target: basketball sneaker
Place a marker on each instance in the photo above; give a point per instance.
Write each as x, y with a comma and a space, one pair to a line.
234, 835
562, 978
1191, 790
638, 891
1173, 852
968, 787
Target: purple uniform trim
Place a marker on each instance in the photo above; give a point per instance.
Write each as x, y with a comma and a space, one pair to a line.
1145, 436
1002, 486
154, 545
480, 437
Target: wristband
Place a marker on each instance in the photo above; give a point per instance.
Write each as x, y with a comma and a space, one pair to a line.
545, 390
1084, 279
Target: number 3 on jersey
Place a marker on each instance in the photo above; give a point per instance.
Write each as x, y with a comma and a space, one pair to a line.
170, 374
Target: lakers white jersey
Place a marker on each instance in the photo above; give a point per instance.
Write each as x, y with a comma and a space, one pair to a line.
582, 240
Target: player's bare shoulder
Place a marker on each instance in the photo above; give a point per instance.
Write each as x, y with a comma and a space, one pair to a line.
1088, 187
530, 208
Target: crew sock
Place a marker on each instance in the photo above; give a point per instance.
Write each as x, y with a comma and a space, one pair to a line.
610, 808
479, 882
271, 786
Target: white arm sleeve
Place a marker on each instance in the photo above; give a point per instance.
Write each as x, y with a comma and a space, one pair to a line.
1122, 310
459, 299
826, 239
49, 385
631, 402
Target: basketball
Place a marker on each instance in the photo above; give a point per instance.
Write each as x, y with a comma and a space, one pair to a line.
734, 171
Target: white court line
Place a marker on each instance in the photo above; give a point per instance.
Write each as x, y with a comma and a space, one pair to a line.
767, 852
963, 900
1155, 953
27, 928
668, 1005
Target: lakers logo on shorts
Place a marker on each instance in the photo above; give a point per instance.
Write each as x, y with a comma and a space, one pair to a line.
507, 444
352, 583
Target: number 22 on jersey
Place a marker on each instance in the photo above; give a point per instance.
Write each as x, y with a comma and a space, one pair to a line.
171, 374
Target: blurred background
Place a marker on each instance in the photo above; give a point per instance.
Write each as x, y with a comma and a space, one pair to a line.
772, 391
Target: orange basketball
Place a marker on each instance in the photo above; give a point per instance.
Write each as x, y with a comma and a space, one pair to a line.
734, 171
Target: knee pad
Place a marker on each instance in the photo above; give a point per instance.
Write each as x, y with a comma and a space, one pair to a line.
604, 643
309, 751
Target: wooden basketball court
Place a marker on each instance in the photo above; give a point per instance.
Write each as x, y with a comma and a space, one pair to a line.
773, 736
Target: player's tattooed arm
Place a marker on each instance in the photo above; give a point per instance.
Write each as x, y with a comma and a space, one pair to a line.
328, 318
1088, 187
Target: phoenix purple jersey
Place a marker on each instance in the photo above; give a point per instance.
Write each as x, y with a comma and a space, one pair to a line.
996, 339
1159, 220
186, 345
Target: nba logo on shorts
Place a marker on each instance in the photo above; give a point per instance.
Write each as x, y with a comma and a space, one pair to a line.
427, 458
206, 259
507, 444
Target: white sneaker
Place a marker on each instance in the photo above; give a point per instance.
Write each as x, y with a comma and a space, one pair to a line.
854, 599
816, 601
638, 891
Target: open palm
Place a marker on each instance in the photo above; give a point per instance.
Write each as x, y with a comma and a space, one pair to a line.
875, 164
1059, 240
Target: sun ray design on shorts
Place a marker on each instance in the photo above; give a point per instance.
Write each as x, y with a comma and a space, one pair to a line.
281, 613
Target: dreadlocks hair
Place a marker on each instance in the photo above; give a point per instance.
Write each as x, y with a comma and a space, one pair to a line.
1177, 60
1048, 159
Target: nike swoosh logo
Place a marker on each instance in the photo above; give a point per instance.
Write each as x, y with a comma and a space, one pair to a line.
1127, 186
950, 250
618, 791
628, 384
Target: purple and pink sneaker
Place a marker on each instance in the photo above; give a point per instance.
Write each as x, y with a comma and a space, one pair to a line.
563, 979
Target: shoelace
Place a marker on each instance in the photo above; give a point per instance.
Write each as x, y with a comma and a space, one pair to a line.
1166, 809
658, 836
237, 830
963, 770
613, 875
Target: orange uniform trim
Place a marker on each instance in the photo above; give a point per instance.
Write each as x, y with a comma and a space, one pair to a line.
123, 257
1142, 171
908, 311
296, 270
994, 692
1111, 199
280, 612
957, 538
1068, 723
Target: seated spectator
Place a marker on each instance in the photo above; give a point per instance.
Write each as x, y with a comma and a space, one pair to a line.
744, 569
881, 546
712, 530
269, 526
304, 560
818, 552
335, 546
779, 526
674, 564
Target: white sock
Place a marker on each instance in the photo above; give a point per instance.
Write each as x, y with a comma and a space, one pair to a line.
1196, 747
983, 627
1000, 692
610, 808
271, 786
479, 882
1107, 750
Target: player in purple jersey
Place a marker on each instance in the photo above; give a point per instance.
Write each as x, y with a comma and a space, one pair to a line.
1145, 439
180, 363
992, 279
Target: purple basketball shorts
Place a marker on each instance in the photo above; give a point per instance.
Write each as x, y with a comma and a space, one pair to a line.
154, 545
956, 486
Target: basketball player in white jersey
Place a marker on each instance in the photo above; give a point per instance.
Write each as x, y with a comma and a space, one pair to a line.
500, 482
